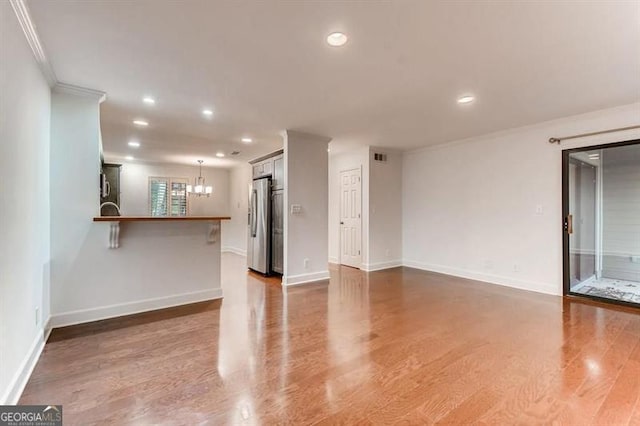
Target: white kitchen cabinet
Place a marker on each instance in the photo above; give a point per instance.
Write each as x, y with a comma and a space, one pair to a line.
263, 167
277, 179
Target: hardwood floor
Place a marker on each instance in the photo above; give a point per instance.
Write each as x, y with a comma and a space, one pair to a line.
396, 346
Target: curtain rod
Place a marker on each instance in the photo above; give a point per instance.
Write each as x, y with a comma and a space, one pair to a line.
564, 138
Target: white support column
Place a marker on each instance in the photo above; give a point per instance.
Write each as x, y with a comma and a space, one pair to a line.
306, 208
599, 236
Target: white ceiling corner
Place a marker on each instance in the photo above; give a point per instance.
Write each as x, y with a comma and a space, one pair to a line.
33, 39
80, 91
24, 19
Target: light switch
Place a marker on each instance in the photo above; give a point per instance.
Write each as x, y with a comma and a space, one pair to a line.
296, 209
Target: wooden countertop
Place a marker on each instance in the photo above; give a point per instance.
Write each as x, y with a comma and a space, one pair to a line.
156, 218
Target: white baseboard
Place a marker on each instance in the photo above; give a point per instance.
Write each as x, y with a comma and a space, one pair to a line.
112, 311
378, 266
20, 379
234, 250
305, 278
538, 287
334, 260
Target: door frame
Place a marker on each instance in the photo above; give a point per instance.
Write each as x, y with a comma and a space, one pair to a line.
566, 273
359, 168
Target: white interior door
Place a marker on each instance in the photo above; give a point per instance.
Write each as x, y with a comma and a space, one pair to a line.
351, 218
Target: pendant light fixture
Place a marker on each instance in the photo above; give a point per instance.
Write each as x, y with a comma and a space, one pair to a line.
199, 189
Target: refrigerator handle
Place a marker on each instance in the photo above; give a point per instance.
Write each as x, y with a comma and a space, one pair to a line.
254, 205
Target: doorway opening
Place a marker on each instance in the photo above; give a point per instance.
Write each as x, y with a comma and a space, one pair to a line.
351, 218
601, 209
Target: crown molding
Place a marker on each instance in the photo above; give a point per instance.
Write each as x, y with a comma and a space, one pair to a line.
28, 28
287, 133
80, 91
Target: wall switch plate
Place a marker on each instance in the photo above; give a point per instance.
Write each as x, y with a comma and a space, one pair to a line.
37, 315
296, 209
539, 209
306, 264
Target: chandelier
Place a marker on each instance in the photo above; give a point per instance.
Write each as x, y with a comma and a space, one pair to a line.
198, 189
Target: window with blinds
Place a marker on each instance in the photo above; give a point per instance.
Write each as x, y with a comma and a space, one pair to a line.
168, 196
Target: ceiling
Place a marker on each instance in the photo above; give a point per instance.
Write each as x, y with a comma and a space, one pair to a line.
264, 66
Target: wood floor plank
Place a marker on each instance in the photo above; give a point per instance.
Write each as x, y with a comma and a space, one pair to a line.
618, 406
584, 404
542, 397
399, 346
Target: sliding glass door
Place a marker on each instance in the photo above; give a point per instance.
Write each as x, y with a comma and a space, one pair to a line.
601, 205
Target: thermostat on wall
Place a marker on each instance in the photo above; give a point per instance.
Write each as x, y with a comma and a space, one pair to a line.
296, 209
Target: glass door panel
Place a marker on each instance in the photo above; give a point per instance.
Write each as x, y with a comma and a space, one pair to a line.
602, 222
582, 219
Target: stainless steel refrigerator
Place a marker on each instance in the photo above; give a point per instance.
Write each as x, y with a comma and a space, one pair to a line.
259, 244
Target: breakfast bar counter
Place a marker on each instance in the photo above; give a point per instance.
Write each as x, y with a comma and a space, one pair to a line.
157, 218
131, 264
114, 231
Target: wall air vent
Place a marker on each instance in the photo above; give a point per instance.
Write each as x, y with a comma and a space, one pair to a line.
235, 153
380, 157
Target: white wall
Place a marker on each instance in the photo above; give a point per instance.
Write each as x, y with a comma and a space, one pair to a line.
134, 188
385, 211
469, 207
234, 231
356, 158
24, 208
75, 198
381, 206
306, 178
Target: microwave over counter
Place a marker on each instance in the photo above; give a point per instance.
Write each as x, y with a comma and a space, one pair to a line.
105, 187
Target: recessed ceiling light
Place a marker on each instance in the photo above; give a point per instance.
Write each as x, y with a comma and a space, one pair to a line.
336, 39
148, 100
207, 112
140, 123
220, 154
247, 140
128, 157
466, 99
134, 144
